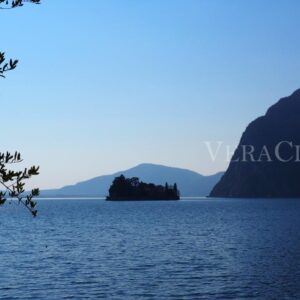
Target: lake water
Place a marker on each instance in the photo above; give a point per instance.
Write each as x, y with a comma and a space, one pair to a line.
191, 249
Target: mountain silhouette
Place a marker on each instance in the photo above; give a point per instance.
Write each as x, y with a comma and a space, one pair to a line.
190, 183
274, 171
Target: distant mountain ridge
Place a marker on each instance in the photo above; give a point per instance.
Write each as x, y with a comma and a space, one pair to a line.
190, 183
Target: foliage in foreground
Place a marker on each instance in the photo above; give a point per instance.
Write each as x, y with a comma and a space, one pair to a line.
8, 4
13, 182
8, 65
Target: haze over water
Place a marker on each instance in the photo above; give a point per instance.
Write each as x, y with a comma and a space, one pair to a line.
207, 249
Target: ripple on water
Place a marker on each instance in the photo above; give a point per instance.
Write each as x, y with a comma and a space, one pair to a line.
223, 249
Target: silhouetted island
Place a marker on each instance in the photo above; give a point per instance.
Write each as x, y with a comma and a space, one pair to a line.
125, 189
266, 163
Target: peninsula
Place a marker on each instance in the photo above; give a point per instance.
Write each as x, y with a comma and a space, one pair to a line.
266, 163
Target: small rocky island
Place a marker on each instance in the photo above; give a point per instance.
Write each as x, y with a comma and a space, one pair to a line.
126, 189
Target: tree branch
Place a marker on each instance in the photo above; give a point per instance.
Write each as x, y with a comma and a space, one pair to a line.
15, 3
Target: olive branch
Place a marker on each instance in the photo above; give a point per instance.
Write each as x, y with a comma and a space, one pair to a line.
14, 182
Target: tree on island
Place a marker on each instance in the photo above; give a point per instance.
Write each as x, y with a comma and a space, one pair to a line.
175, 188
133, 189
14, 181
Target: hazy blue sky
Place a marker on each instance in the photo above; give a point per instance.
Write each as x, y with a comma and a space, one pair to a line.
106, 85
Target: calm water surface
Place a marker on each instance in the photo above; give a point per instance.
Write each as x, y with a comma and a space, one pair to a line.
205, 249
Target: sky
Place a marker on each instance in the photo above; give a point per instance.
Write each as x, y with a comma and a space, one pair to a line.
105, 85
